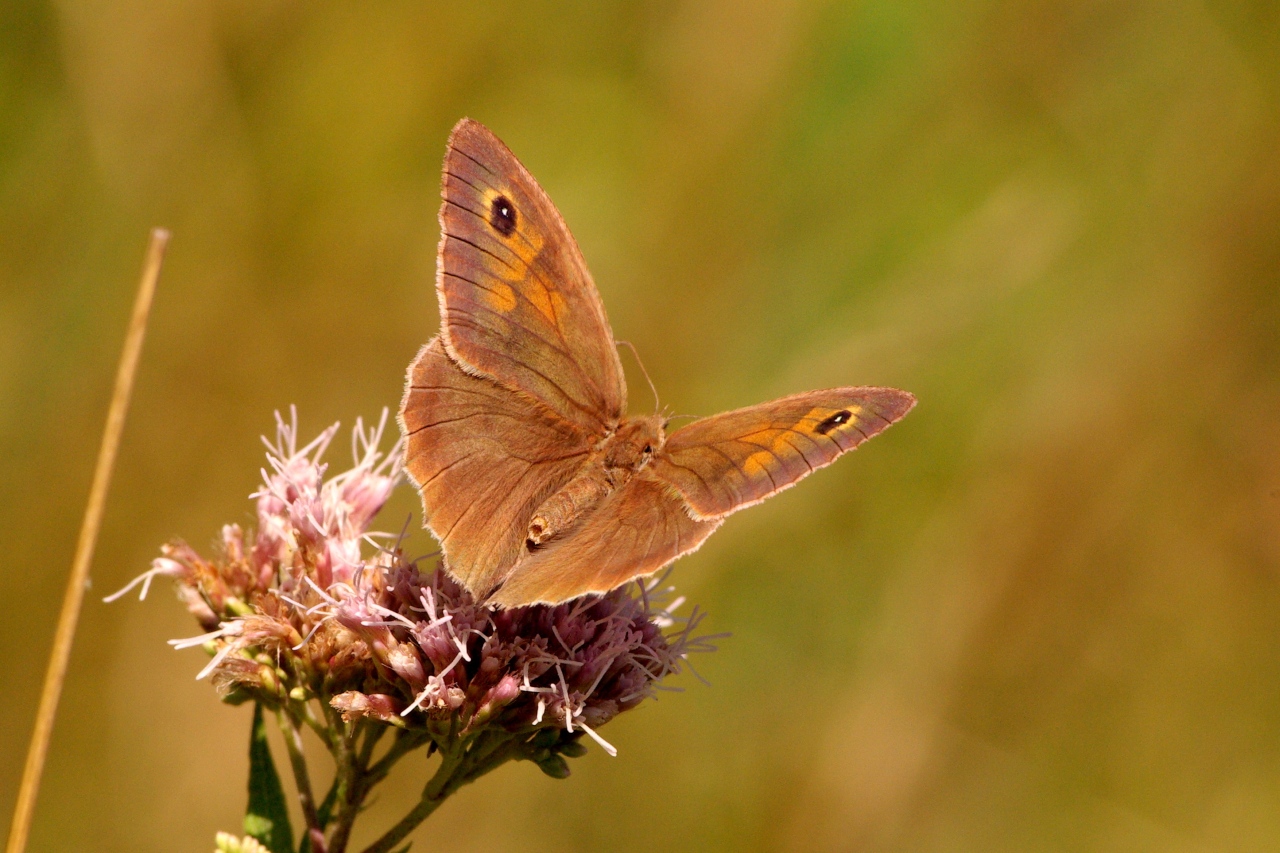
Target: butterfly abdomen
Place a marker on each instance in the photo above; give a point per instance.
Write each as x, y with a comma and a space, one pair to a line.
623, 453
578, 497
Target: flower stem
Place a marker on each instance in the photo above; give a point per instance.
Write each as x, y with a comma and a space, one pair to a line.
404, 743
441, 785
349, 784
458, 766
293, 745
361, 777
372, 734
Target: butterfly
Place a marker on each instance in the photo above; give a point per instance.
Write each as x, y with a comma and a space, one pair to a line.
538, 485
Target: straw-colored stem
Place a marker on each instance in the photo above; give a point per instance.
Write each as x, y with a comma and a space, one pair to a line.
71, 601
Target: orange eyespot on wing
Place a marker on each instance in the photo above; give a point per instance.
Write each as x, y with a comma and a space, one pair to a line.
484, 459
732, 460
636, 531
517, 303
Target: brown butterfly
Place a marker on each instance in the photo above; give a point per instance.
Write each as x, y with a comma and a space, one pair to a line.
533, 478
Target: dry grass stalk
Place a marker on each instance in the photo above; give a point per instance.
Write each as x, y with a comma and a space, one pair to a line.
65, 633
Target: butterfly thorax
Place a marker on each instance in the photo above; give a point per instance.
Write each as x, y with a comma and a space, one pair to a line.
618, 458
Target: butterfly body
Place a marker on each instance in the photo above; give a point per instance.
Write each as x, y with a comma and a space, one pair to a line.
533, 478
622, 454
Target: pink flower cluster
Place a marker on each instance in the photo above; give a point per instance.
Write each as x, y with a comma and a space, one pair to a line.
312, 606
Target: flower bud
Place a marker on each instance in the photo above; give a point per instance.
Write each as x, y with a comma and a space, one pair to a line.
353, 705
554, 766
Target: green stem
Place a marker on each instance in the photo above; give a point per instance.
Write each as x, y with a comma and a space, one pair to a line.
308, 716
362, 777
441, 785
349, 785
405, 743
372, 734
457, 767
293, 745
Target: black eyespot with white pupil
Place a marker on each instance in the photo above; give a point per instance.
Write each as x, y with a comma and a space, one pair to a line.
840, 417
502, 216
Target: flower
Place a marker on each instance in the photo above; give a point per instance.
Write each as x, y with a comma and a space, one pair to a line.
297, 612
225, 842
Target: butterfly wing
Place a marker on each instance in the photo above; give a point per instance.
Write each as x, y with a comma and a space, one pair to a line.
636, 530
484, 458
516, 301
732, 460
705, 471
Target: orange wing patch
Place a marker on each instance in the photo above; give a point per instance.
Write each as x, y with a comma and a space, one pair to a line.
548, 301
516, 301
733, 460
500, 297
776, 444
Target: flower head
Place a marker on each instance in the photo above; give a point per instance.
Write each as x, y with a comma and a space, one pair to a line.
312, 607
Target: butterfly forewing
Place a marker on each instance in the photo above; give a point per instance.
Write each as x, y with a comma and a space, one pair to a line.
517, 303
732, 460
484, 458
637, 530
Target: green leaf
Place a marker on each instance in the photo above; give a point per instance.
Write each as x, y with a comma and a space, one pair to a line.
267, 818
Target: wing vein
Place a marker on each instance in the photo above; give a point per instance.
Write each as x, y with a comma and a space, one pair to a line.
767, 472
474, 160
423, 485
579, 406
799, 451
733, 464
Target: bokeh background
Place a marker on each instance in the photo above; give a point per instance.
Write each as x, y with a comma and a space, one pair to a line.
1042, 613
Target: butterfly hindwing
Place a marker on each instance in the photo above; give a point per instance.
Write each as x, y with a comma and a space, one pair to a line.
636, 531
516, 301
732, 460
484, 458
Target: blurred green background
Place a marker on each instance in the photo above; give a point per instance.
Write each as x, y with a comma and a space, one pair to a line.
1042, 613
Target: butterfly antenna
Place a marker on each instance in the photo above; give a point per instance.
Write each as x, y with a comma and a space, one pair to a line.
656, 404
